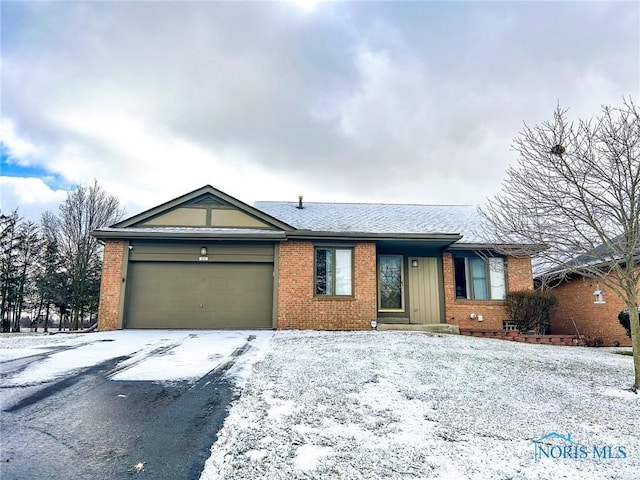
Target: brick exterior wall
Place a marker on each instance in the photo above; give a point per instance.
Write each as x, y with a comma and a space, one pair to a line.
575, 304
111, 285
298, 308
457, 312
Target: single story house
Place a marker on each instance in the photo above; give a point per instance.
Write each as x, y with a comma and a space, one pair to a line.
208, 260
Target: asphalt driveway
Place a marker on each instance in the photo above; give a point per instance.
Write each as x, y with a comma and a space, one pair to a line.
85, 425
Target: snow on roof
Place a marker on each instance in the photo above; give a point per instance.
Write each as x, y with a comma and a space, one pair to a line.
379, 218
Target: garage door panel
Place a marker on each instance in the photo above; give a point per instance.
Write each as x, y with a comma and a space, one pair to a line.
199, 295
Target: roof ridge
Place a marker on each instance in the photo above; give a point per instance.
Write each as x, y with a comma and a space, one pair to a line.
370, 203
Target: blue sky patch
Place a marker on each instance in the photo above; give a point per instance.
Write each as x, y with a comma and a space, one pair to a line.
11, 168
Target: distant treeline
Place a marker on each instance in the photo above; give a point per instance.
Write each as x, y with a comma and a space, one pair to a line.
54, 265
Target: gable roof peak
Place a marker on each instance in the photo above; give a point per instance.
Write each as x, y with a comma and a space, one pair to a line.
197, 195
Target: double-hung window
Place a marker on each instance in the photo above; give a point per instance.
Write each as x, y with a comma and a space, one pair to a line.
333, 271
478, 278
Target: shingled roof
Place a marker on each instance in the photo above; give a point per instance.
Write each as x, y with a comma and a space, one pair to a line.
378, 218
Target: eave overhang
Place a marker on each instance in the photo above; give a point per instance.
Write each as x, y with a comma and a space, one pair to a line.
529, 249
439, 240
436, 240
187, 234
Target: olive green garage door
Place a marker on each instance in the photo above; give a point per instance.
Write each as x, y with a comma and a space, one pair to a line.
206, 295
226, 291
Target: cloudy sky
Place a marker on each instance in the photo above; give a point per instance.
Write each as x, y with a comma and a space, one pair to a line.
399, 102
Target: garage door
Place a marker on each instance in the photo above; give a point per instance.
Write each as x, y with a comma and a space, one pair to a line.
199, 295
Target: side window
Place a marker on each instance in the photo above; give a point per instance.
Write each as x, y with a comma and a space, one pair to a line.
333, 271
477, 278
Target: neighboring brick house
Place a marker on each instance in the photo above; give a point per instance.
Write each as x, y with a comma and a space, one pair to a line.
208, 260
577, 314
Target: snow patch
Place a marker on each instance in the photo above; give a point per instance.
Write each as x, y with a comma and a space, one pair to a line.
256, 455
620, 393
151, 355
14, 346
308, 456
189, 359
281, 409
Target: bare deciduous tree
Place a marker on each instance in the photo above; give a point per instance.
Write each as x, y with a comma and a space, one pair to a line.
51, 280
576, 189
84, 210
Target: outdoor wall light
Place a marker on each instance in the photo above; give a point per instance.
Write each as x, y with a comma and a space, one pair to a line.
203, 251
374, 324
599, 297
414, 263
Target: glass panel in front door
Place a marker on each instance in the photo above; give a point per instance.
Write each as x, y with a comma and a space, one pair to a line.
390, 278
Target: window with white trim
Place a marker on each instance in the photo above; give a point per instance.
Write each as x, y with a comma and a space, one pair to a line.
333, 271
478, 278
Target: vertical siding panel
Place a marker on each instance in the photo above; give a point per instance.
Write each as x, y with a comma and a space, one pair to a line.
425, 291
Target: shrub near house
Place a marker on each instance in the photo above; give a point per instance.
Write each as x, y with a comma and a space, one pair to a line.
625, 320
530, 310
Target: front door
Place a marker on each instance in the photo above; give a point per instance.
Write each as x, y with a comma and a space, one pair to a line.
424, 290
390, 283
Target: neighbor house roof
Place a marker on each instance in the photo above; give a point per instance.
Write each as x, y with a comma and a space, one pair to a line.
593, 262
379, 218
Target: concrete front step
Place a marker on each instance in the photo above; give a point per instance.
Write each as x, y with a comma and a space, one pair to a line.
425, 327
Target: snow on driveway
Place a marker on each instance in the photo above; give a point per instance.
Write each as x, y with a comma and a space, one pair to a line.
153, 355
390, 405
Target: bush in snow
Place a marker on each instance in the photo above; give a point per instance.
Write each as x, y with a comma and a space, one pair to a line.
625, 321
530, 310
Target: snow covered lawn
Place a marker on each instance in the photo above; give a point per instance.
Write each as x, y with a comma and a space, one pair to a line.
407, 405
375, 405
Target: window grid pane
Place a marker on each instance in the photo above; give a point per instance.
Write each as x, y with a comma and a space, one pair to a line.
343, 272
497, 278
479, 275
324, 274
460, 275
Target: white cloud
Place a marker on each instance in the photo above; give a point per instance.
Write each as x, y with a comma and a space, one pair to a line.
18, 149
31, 196
400, 101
